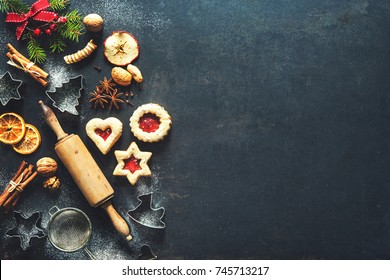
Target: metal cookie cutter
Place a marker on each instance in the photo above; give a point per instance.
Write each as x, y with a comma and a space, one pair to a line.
69, 229
66, 97
26, 227
146, 253
145, 214
9, 88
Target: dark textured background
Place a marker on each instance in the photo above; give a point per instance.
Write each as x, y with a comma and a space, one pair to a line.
280, 139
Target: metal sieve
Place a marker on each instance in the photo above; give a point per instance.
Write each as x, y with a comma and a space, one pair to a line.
69, 229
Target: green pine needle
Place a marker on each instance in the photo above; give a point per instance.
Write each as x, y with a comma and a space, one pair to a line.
35, 51
57, 44
73, 28
58, 5
16, 6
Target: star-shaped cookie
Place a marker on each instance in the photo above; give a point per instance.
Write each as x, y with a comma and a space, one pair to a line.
132, 163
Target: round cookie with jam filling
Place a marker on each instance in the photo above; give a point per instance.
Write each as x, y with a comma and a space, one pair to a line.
150, 122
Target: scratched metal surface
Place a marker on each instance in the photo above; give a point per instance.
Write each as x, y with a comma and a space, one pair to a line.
280, 139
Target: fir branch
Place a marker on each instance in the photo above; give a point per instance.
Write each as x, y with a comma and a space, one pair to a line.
16, 6
70, 30
57, 44
58, 5
26, 35
73, 28
35, 51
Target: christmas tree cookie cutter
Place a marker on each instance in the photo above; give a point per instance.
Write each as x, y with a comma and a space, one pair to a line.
26, 228
66, 97
146, 253
145, 214
9, 88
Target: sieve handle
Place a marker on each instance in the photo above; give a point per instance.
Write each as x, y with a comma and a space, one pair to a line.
51, 213
89, 253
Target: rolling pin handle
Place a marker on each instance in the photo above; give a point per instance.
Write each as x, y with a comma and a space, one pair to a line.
118, 222
52, 121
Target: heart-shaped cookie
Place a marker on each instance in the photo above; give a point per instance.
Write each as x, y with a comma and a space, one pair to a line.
104, 133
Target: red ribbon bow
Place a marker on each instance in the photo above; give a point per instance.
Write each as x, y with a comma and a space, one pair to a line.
37, 12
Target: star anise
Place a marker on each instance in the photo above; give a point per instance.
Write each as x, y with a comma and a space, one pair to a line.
115, 98
106, 85
98, 97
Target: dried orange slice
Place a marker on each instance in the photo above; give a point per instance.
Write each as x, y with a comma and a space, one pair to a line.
30, 142
12, 128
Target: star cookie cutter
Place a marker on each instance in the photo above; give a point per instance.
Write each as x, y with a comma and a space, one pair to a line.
66, 97
145, 214
26, 228
9, 88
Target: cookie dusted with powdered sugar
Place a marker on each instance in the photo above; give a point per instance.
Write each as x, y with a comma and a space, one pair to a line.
104, 133
150, 122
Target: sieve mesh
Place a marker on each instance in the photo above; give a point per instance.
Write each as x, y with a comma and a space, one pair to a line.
69, 230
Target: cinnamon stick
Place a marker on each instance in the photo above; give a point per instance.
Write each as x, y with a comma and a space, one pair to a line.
18, 172
22, 178
13, 204
28, 180
33, 67
11, 198
4, 196
16, 52
20, 169
17, 60
16, 193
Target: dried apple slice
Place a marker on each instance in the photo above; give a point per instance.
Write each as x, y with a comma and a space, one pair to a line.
121, 48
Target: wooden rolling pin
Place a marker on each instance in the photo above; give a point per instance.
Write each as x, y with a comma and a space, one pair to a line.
85, 171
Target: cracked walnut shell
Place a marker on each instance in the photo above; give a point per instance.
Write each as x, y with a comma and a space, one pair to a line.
52, 183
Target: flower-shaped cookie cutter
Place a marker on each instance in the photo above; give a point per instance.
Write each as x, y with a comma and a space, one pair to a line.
26, 228
145, 214
9, 88
66, 97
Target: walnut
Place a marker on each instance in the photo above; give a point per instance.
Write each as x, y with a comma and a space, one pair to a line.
52, 183
93, 22
46, 167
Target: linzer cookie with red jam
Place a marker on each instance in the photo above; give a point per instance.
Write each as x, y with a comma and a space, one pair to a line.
132, 163
104, 133
150, 123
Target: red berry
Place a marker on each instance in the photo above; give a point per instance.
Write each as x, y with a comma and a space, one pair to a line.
52, 26
37, 32
55, 17
48, 31
62, 20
